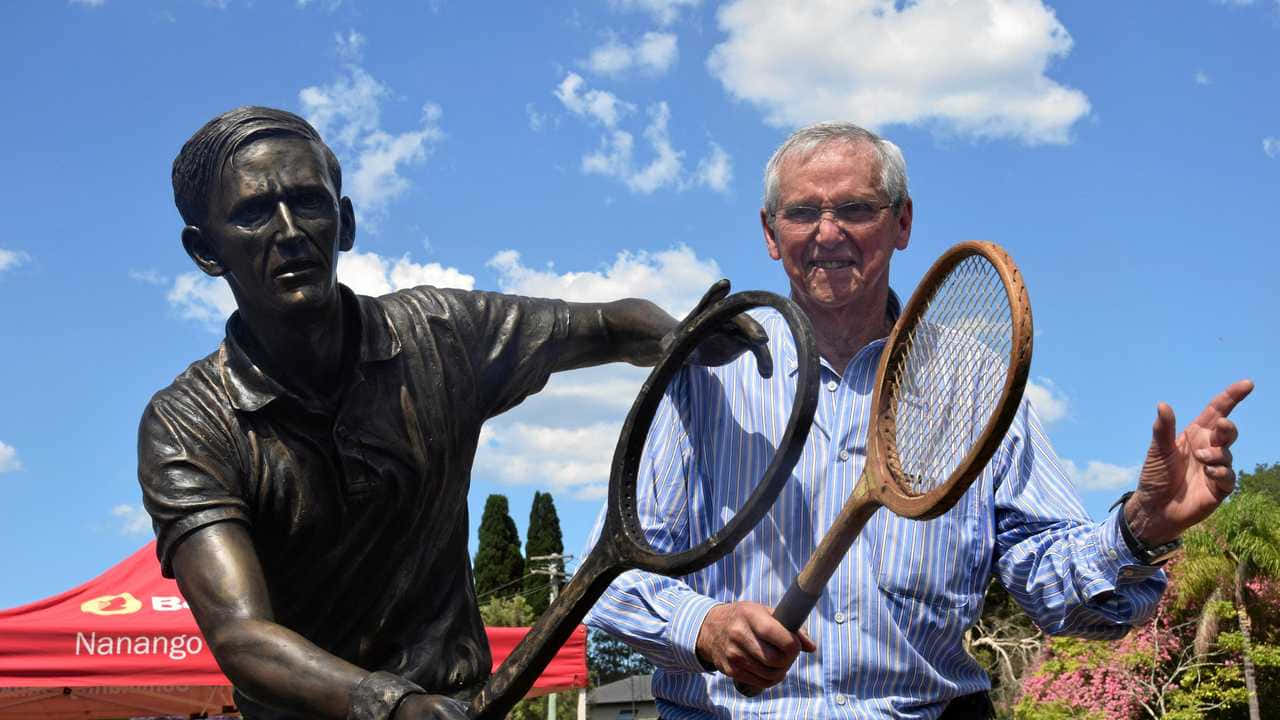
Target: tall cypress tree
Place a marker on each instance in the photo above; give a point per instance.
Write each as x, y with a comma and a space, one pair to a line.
544, 539
498, 565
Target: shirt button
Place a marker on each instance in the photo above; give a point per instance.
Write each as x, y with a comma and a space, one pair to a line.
1111, 554
840, 617
840, 699
832, 385
844, 454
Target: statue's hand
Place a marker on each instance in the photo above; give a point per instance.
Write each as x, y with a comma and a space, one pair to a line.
430, 707
734, 337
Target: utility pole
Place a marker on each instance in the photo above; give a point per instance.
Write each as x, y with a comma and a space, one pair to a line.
553, 573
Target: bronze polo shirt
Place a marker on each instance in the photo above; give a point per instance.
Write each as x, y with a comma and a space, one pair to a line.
358, 511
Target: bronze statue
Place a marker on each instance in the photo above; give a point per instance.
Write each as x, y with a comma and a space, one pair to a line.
308, 479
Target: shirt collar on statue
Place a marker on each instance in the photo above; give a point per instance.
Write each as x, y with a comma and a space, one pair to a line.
250, 388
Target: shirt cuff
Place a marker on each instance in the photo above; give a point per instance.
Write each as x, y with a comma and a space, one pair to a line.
1115, 560
686, 622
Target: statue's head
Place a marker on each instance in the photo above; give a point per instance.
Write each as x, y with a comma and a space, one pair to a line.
261, 196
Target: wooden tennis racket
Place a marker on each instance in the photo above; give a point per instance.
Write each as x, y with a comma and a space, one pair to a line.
948, 385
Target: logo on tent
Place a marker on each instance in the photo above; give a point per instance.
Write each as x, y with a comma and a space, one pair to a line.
121, 604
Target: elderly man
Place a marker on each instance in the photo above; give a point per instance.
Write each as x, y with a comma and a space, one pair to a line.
308, 479
885, 640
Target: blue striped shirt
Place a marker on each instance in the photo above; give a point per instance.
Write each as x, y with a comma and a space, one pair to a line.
890, 625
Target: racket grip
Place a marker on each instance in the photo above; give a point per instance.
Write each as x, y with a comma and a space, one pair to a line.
791, 612
795, 606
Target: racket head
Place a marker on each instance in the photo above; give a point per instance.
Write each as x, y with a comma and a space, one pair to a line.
950, 379
623, 529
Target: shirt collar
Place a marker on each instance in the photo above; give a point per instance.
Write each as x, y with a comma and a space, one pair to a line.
250, 388
893, 308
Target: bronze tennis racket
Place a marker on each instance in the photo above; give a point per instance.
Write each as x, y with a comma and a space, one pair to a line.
948, 385
622, 544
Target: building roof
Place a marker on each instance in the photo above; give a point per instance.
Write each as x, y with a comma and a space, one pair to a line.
637, 688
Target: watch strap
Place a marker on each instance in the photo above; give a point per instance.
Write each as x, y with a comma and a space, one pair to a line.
1145, 554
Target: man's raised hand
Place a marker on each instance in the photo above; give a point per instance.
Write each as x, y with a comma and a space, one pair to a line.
1186, 475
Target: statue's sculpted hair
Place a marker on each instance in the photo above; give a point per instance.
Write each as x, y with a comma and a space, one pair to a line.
198, 166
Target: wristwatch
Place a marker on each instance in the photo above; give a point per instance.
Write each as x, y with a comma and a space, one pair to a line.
1146, 554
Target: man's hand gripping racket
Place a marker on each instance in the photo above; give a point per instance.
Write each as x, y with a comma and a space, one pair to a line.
948, 385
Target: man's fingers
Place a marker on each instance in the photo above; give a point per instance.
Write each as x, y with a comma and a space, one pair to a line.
1164, 430
746, 661
806, 643
1224, 434
1222, 480
1214, 457
1224, 402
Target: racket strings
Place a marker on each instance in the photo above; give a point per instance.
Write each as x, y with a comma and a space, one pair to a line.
950, 375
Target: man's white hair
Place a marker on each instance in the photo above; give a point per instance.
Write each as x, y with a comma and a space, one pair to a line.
806, 140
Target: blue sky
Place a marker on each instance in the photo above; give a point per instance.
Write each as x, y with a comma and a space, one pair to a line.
1126, 154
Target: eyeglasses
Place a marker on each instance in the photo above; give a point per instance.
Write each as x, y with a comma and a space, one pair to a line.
849, 214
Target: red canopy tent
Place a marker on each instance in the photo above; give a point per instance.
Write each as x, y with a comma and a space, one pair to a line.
125, 644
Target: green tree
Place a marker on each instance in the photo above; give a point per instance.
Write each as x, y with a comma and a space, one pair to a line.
1239, 543
499, 566
543, 539
610, 659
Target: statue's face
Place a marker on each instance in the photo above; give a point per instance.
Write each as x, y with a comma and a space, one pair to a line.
276, 225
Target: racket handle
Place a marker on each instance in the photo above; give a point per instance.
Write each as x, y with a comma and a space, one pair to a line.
791, 612
795, 606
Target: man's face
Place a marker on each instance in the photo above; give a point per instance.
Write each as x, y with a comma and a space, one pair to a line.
836, 264
275, 227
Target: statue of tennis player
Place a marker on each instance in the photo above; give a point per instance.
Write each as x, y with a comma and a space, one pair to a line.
308, 479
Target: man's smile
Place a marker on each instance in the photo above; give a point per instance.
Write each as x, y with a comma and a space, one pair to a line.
832, 264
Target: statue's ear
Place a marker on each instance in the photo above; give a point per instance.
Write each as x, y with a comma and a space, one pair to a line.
200, 250
347, 213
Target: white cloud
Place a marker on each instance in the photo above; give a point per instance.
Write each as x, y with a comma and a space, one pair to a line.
87, 3
12, 258
1270, 146
134, 520
613, 392
664, 12
1049, 401
534, 444
675, 279
350, 46
654, 54
971, 68
536, 119
150, 277
371, 274
615, 156
1201, 78
347, 113
205, 299
9, 458
1098, 475
715, 170
599, 105
572, 460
